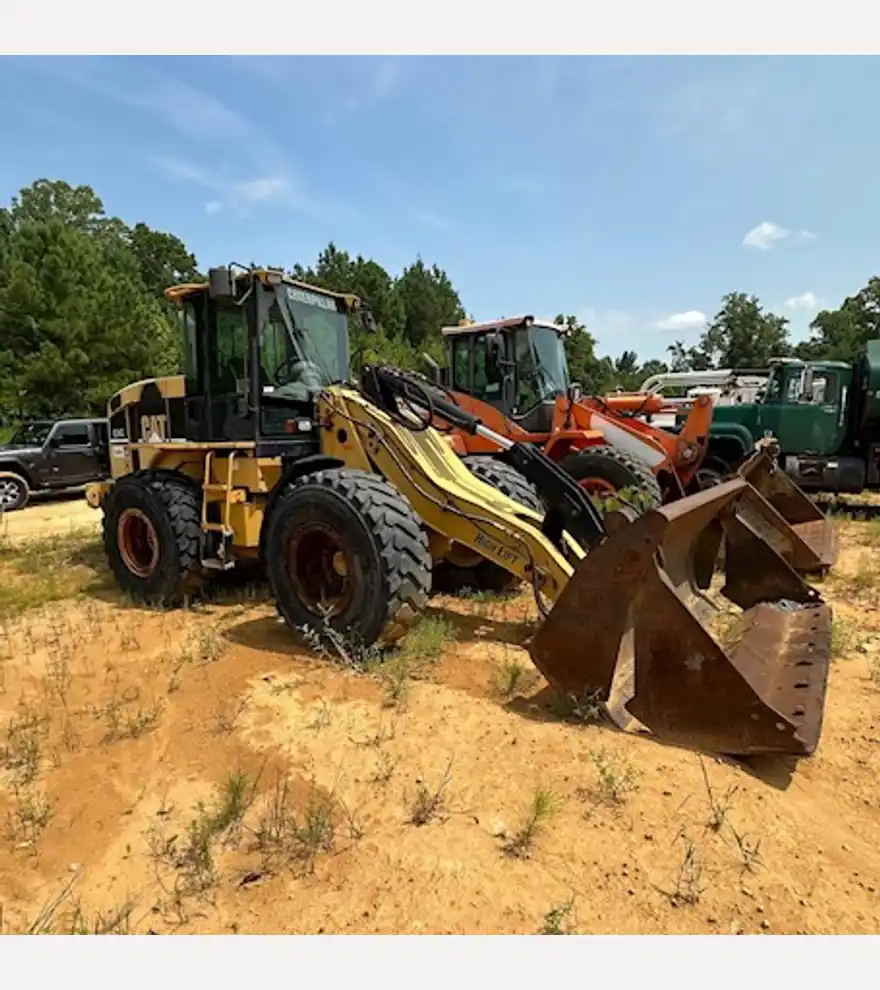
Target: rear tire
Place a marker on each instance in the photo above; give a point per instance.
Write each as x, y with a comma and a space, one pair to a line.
349, 541
14, 491
603, 470
484, 575
153, 534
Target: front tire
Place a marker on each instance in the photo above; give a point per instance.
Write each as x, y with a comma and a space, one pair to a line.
604, 470
345, 548
14, 491
152, 535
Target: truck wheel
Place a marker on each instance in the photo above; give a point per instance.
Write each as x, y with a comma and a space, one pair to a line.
344, 548
712, 472
604, 470
153, 535
468, 569
14, 491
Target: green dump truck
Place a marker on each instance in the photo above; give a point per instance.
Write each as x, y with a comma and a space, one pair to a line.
825, 416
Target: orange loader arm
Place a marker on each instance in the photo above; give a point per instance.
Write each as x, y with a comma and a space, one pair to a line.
685, 451
464, 443
673, 458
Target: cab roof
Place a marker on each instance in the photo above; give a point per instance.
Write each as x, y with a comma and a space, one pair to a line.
269, 276
508, 323
788, 362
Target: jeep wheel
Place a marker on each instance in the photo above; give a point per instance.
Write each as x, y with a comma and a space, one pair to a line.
14, 491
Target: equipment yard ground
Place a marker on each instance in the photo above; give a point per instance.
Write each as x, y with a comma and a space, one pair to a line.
200, 771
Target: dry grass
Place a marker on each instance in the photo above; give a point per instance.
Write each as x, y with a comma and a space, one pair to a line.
513, 677
37, 571
845, 636
543, 806
429, 801
616, 778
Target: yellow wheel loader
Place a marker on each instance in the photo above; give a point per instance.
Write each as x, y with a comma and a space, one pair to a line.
349, 495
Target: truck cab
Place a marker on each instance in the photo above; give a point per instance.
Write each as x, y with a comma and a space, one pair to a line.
809, 407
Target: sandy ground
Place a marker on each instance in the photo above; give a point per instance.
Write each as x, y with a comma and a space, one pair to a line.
199, 771
49, 516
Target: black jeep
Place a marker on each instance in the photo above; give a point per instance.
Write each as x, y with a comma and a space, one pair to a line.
52, 455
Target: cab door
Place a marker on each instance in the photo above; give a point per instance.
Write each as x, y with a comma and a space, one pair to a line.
809, 417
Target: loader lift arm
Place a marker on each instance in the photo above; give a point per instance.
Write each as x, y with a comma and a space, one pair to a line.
625, 623
569, 507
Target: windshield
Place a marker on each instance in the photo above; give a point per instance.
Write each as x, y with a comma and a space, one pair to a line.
542, 367
321, 332
31, 435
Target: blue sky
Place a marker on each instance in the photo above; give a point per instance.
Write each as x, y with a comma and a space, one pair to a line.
632, 191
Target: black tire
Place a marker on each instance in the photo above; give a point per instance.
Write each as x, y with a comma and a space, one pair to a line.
483, 575
712, 472
14, 491
170, 503
616, 469
381, 539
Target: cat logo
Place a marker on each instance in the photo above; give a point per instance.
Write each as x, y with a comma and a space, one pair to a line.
154, 429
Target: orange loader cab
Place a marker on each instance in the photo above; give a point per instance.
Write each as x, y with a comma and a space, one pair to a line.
514, 376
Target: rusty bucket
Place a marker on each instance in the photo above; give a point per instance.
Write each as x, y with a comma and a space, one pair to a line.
786, 516
634, 628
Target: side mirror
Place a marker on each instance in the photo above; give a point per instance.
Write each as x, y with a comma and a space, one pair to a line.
574, 392
368, 321
54, 442
221, 283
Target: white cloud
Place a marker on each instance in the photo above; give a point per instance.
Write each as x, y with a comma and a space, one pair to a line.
806, 302
765, 235
691, 319
432, 220
268, 175
233, 193
807, 235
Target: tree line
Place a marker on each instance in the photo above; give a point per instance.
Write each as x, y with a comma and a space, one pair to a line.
83, 312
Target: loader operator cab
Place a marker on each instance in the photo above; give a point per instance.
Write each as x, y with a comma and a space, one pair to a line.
517, 365
259, 348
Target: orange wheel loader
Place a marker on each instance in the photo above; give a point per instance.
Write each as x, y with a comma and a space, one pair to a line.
513, 375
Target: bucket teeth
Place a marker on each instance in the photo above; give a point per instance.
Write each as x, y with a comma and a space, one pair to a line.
629, 616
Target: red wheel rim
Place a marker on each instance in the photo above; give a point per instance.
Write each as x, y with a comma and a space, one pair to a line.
597, 486
138, 542
321, 567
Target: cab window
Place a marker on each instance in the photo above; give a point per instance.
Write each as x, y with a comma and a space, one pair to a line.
229, 352
274, 347
461, 364
488, 381
527, 392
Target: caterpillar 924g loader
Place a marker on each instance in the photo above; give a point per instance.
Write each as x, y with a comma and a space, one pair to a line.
348, 495
514, 376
